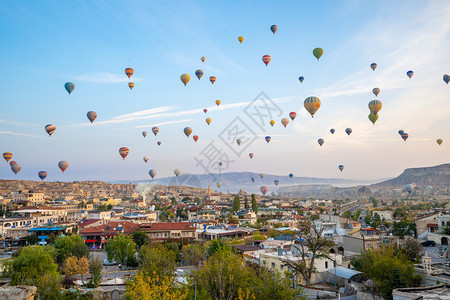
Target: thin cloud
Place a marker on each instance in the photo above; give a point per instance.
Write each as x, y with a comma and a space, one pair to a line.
18, 134
164, 123
105, 77
14, 123
144, 112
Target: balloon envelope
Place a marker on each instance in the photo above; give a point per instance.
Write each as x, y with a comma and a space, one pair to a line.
401, 132
195, 137
264, 189
219, 184
292, 115
241, 39
267, 138
185, 78
291, 175
332, 130
205, 110
446, 78
146, 158
144, 133
155, 130
276, 182
321, 141
42, 175
341, 167
409, 188
301, 78
177, 172
7, 156
152, 173
203, 59
159, 143
208, 121
272, 122
439, 141
16, 168
375, 106
348, 131
50, 129
285, 122
123, 151
212, 79
251, 155
261, 175
274, 28
187, 131
373, 118
69, 86
312, 105
218, 102
63, 165
405, 136
91, 115
373, 66
220, 163
129, 72
131, 85
376, 91
238, 141
318, 52
409, 74
13, 162
199, 74
266, 59
253, 179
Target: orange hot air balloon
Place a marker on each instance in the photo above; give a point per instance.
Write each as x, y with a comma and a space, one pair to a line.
203, 59
266, 59
124, 152
218, 102
195, 137
7, 156
129, 72
212, 79
185, 78
131, 85
50, 129
208, 121
241, 39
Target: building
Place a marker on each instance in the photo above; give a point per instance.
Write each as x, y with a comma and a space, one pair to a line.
96, 214
439, 291
362, 239
219, 232
27, 198
427, 224
182, 231
97, 237
384, 214
43, 215
282, 223
247, 217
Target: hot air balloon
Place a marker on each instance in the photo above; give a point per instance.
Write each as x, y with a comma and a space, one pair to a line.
321, 141
146, 158
50, 129
318, 52
253, 179
91, 115
409, 188
332, 130
13, 162
205, 110
264, 189
238, 141
376, 91
401, 132
266, 59
285, 122
69, 86
291, 175
373, 118
159, 143
199, 74
177, 172
185, 78
312, 105
218, 102
410, 74
348, 131
272, 122
152, 173
144, 133
155, 130
7, 156
42, 175
292, 115
187, 131
261, 175
208, 121
123, 151
129, 72
203, 59
195, 137
446, 78
16, 168
301, 78
212, 79
63, 165
373, 66
276, 181
405, 136
241, 39
341, 167
439, 141
375, 106
220, 163
131, 85
251, 155
267, 138
219, 184
274, 28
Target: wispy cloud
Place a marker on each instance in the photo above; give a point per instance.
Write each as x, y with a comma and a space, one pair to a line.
143, 113
18, 133
105, 77
163, 123
14, 123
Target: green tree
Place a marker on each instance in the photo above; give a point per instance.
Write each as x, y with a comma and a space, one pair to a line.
356, 215
120, 248
254, 204
70, 245
32, 239
95, 269
347, 214
246, 203
368, 218
374, 201
446, 229
193, 254
412, 249
151, 286
109, 207
404, 227
236, 204
157, 259
216, 245
140, 238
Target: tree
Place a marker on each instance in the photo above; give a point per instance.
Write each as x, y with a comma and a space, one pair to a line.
374, 201
368, 218
356, 215
246, 203
347, 214
236, 204
120, 248
75, 266
32, 239
95, 269
157, 259
216, 245
140, 238
109, 207
312, 246
412, 249
254, 204
446, 229
193, 254
404, 227
151, 286
70, 245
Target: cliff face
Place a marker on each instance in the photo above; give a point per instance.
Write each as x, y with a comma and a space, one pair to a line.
437, 176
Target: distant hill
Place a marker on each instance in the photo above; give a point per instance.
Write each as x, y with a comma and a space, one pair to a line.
436, 176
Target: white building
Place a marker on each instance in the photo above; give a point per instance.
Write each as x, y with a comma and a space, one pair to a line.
102, 215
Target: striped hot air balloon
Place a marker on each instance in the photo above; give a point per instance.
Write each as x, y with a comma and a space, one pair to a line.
312, 105
7, 156
266, 59
42, 175
129, 72
50, 129
187, 131
131, 85
373, 66
375, 106
199, 74
212, 79
123, 151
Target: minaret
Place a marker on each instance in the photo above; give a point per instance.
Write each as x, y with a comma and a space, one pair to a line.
426, 263
209, 192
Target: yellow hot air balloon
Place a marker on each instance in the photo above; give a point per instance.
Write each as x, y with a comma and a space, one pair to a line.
208, 121
439, 141
272, 122
312, 105
218, 102
375, 106
131, 85
203, 59
241, 39
185, 78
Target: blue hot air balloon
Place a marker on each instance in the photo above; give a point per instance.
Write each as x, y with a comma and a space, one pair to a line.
268, 138
276, 181
69, 86
348, 131
341, 167
332, 130
42, 175
301, 78
291, 175
253, 179
401, 132
321, 141
373, 66
410, 74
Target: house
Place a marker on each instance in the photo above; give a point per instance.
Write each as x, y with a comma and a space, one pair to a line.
427, 224
43, 215
359, 240
97, 237
384, 214
182, 231
247, 217
28, 198
96, 214
220, 232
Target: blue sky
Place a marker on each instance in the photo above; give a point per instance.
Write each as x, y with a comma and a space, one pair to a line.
90, 43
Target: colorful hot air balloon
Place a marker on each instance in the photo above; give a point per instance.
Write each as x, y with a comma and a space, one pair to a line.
129, 72
373, 118
272, 122
253, 179
159, 143
155, 130
219, 184
238, 141
409, 188
187, 131
218, 102
146, 159
274, 28
13, 162
185, 78
152, 173
42, 175
267, 138
199, 74
251, 155
69, 86
301, 78
321, 141
63, 165
264, 189
318, 52
203, 59
292, 115
446, 78
276, 181
131, 85
291, 175
439, 141
144, 133
405, 136
220, 163
376, 91
212, 79
410, 74
195, 137
266, 59
401, 132
285, 122
241, 39
348, 131
123, 151
177, 172
16, 168
50, 129
341, 167
208, 121
261, 175
91, 115
205, 110
332, 130
373, 66
7, 156
312, 105
375, 106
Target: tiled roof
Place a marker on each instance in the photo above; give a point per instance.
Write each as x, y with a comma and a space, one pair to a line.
108, 229
87, 222
168, 226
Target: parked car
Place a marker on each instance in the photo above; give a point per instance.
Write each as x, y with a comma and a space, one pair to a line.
428, 243
108, 263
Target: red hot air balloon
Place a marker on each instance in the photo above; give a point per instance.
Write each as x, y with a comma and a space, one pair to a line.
195, 137
266, 59
124, 152
251, 155
292, 115
205, 110
264, 189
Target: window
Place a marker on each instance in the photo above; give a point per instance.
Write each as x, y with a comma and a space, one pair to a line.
273, 265
264, 262
326, 265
